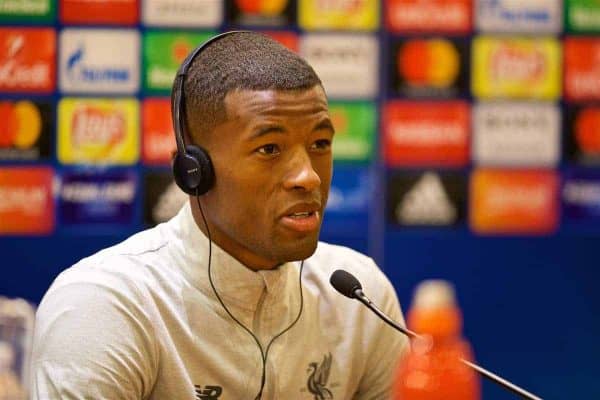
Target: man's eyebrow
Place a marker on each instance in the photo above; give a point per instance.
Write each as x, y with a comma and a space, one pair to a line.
265, 130
324, 124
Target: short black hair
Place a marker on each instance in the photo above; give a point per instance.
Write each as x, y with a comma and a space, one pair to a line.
239, 61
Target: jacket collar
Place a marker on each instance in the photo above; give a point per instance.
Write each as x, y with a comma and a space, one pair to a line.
236, 284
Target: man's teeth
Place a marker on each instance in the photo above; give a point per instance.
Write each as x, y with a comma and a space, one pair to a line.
300, 215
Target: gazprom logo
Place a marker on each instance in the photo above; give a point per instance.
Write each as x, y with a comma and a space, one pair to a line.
78, 70
99, 60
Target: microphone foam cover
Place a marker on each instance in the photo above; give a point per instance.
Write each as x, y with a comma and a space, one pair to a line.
345, 283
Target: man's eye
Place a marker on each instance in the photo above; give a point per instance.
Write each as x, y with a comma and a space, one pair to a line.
269, 149
322, 144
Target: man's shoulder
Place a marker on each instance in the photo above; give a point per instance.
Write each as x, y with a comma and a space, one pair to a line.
120, 267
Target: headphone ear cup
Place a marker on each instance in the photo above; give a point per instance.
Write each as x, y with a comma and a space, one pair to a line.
193, 171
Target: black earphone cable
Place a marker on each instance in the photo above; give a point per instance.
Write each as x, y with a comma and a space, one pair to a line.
263, 353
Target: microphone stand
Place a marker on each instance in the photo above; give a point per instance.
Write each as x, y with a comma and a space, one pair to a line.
360, 296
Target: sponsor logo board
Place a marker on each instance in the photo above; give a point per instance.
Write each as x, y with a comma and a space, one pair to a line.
516, 68
97, 198
346, 63
348, 204
27, 10
516, 134
27, 60
98, 131
106, 12
164, 52
162, 198
354, 125
514, 201
429, 67
26, 200
452, 16
261, 12
582, 68
582, 126
182, 13
427, 199
158, 139
540, 16
338, 14
286, 38
91, 62
426, 133
25, 133
581, 196
582, 15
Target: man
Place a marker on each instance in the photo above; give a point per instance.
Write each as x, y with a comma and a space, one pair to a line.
230, 299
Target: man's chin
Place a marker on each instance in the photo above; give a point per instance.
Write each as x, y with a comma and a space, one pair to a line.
300, 250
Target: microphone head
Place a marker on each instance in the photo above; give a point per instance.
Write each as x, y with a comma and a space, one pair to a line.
345, 283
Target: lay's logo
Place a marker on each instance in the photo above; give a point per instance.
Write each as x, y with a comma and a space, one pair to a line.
97, 127
346, 14
27, 60
514, 67
514, 63
98, 131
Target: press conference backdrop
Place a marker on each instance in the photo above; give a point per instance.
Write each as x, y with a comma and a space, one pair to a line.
467, 148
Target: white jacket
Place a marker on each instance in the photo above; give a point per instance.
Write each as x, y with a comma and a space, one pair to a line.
140, 321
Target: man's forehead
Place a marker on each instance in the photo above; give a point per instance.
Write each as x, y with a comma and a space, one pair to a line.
254, 101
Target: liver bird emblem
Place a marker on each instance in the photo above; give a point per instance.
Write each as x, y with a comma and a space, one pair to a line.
318, 378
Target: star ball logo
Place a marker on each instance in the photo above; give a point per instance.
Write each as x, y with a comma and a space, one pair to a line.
27, 59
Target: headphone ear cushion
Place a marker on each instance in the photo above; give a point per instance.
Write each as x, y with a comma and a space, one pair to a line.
193, 171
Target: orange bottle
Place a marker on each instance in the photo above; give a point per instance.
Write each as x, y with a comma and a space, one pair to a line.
432, 370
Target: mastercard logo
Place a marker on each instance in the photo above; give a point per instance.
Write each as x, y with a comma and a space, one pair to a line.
587, 131
262, 7
22, 125
429, 62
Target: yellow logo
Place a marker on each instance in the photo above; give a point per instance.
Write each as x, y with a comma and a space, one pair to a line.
98, 131
339, 14
516, 68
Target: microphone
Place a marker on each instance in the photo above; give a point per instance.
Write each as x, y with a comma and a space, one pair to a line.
347, 284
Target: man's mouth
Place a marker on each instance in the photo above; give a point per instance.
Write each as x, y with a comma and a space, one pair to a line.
301, 214
305, 217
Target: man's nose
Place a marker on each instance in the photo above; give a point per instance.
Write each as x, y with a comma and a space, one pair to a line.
301, 175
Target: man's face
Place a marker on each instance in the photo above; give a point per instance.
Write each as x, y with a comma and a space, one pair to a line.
273, 167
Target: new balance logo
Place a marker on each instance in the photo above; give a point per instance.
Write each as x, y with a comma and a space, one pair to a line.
208, 392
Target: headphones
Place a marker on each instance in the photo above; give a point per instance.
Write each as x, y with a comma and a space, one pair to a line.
192, 167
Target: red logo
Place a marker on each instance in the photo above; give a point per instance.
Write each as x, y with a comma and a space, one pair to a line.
26, 201
587, 131
112, 12
158, 138
430, 16
582, 68
426, 133
288, 39
97, 127
27, 60
512, 201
